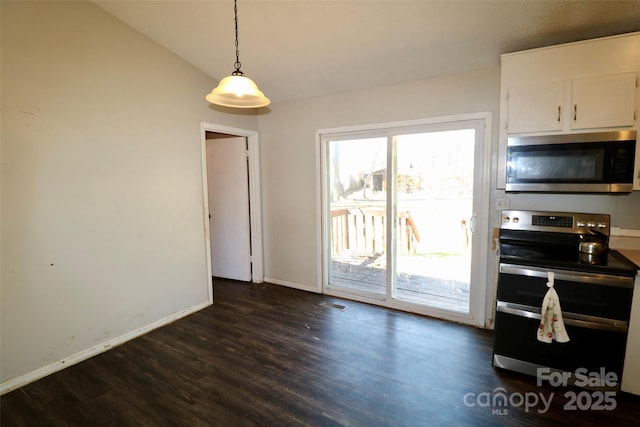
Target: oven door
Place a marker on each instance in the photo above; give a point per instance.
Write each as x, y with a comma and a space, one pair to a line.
597, 295
595, 310
590, 346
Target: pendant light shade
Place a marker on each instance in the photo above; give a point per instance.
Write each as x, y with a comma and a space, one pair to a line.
236, 90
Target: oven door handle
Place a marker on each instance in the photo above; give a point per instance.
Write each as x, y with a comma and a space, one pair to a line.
568, 276
573, 319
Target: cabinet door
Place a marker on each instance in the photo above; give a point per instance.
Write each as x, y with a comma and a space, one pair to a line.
536, 107
603, 101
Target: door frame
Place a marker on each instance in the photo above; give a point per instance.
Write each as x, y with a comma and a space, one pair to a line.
476, 315
255, 202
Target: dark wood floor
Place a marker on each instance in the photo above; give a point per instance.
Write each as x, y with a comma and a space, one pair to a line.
265, 355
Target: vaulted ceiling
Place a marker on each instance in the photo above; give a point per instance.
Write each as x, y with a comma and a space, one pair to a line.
306, 48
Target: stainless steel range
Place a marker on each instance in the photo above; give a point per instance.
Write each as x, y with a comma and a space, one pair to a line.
594, 286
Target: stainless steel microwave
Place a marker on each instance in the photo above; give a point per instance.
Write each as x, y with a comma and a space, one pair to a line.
601, 162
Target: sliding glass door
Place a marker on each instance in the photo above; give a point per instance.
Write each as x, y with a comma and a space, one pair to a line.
400, 210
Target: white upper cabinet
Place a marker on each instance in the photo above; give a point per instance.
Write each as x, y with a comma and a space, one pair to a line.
595, 102
603, 101
535, 107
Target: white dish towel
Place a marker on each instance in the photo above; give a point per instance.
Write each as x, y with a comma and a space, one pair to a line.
551, 324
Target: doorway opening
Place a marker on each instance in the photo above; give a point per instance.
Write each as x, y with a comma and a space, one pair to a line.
232, 204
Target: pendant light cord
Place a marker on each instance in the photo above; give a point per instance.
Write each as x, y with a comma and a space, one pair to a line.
237, 65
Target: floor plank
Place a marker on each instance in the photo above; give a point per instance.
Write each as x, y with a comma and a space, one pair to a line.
266, 355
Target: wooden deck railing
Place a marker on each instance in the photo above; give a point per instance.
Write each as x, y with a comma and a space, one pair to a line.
363, 231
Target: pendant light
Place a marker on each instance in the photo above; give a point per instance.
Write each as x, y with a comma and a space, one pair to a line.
236, 90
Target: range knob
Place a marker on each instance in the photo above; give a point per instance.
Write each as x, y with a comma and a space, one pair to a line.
591, 224
506, 219
580, 223
602, 225
516, 220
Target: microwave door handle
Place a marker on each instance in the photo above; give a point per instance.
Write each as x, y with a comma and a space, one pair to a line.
559, 113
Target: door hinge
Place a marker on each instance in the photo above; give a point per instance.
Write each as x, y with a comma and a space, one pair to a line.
637, 82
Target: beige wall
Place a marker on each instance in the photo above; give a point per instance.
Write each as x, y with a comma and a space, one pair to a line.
102, 200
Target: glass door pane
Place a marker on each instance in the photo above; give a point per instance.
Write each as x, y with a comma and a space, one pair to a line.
434, 193
358, 219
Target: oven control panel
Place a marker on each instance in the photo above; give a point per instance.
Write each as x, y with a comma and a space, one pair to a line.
559, 222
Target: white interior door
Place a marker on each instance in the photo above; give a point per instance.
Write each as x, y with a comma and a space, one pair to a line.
229, 221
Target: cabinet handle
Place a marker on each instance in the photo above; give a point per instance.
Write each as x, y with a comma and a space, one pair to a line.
575, 112
559, 111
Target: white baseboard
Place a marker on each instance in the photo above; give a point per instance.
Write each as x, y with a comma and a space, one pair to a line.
29, 377
291, 285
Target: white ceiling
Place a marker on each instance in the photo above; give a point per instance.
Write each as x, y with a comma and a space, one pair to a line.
300, 49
